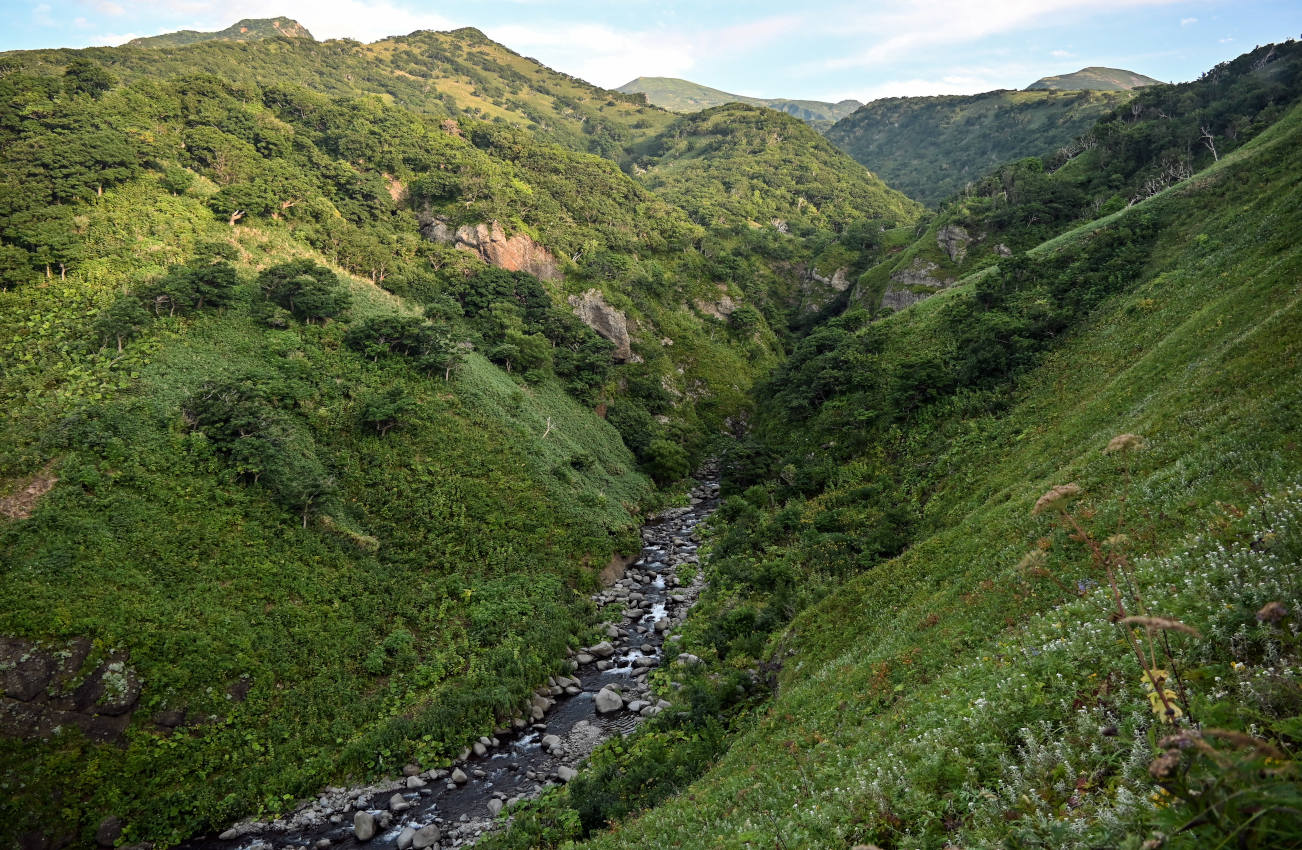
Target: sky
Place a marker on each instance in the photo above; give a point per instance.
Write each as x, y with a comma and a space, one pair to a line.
763, 48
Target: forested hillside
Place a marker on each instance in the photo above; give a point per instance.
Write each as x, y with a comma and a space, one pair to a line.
1014, 566
931, 147
337, 378
1161, 137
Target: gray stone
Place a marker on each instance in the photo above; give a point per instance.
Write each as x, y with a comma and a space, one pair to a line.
322, 844
405, 837
550, 741
426, 836
459, 776
398, 803
363, 826
607, 701
414, 781
410, 770
602, 650
494, 807
592, 309
109, 830
565, 773
480, 749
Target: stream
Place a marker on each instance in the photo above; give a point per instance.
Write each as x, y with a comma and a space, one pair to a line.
605, 694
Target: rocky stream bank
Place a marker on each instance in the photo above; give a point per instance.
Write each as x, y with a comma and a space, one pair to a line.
605, 693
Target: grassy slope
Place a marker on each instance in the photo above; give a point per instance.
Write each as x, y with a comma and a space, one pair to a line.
150, 545
678, 95
929, 147
248, 29
460, 73
935, 699
1094, 78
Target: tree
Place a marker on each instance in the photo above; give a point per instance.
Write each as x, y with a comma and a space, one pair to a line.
120, 321
85, 77
666, 461
386, 410
305, 289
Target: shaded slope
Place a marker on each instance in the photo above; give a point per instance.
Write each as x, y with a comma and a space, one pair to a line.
930, 147
952, 694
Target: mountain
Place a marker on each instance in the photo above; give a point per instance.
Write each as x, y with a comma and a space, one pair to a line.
336, 378
1158, 138
249, 29
923, 626
779, 191
930, 147
678, 95
460, 74
1094, 78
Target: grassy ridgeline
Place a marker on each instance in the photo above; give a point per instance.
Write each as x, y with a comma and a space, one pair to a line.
440, 583
962, 694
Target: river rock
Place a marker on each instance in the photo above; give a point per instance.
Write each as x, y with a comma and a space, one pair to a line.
565, 773
459, 776
480, 749
607, 701
602, 650
426, 836
494, 807
363, 826
415, 782
398, 803
405, 838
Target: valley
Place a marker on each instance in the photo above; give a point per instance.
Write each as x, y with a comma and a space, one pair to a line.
373, 415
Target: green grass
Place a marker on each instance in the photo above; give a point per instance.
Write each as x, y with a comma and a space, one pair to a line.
945, 696
443, 581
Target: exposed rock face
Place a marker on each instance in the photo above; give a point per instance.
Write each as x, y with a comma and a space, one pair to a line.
518, 253
953, 240
913, 284
43, 689
721, 309
592, 308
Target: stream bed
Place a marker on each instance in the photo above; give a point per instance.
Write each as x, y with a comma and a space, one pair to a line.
604, 694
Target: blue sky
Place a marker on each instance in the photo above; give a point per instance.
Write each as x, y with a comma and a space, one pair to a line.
819, 50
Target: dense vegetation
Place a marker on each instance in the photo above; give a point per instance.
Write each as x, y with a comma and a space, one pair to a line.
905, 648
686, 96
1161, 137
931, 147
296, 491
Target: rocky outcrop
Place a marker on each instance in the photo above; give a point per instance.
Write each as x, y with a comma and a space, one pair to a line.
592, 308
517, 253
953, 240
721, 309
45, 688
914, 283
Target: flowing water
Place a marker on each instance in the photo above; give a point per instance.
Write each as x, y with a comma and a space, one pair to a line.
605, 694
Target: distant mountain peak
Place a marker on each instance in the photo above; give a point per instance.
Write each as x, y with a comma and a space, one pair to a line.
678, 95
1094, 78
248, 29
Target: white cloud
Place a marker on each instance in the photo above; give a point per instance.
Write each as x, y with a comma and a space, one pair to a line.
913, 27
1061, 54
107, 7
1184, 22
41, 15
1225, 40
598, 53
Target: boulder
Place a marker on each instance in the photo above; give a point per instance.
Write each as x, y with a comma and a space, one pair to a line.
459, 776
495, 807
426, 836
565, 773
603, 649
607, 701
363, 826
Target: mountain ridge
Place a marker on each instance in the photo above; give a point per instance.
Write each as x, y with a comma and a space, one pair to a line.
679, 95
1094, 78
247, 29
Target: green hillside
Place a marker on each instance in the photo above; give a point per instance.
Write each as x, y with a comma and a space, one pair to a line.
249, 29
910, 644
777, 191
333, 376
461, 75
931, 147
1162, 136
1094, 78
679, 95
